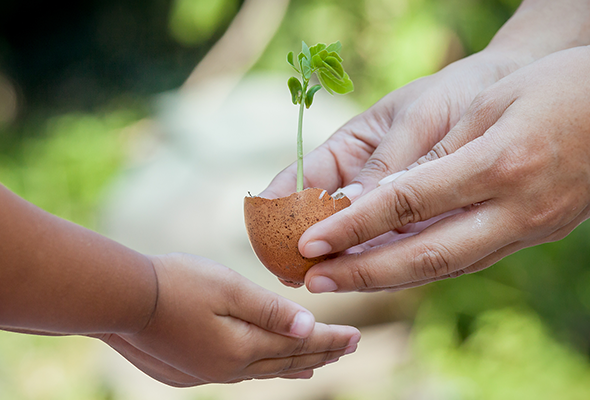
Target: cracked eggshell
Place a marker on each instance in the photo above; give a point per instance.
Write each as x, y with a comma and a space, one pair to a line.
275, 225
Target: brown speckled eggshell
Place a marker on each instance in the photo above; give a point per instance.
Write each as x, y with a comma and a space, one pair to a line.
275, 225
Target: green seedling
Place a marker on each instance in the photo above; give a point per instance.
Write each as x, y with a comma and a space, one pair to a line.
325, 62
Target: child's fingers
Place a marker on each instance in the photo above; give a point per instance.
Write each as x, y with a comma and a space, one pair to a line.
307, 374
294, 365
324, 339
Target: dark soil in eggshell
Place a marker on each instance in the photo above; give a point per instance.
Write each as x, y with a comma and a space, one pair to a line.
275, 225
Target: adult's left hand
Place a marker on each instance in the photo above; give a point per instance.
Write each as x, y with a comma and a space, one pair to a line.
517, 163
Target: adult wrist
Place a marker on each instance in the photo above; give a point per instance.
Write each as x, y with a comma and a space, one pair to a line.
541, 27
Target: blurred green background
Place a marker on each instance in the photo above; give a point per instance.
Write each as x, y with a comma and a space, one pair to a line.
74, 76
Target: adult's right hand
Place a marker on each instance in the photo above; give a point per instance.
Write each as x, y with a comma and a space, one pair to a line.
517, 162
397, 130
408, 122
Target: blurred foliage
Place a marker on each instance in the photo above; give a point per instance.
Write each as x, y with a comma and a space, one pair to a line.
553, 280
388, 43
520, 329
66, 56
63, 164
194, 21
517, 330
50, 368
508, 355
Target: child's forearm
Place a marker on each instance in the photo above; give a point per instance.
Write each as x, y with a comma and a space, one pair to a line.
58, 277
542, 27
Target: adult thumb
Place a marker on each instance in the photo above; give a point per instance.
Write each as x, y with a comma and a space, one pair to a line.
397, 150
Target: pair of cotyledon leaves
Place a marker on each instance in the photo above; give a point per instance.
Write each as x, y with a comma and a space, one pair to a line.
326, 63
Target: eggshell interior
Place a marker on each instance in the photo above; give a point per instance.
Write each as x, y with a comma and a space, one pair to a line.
275, 225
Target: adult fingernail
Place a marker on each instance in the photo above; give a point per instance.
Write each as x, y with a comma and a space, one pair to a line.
322, 284
352, 191
303, 324
391, 178
316, 248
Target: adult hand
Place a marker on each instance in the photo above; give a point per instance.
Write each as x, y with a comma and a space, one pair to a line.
405, 124
213, 325
517, 162
397, 130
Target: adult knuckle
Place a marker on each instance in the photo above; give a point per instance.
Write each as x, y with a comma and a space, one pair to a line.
377, 165
514, 167
406, 207
439, 150
541, 214
431, 261
484, 104
543, 219
358, 229
362, 277
519, 164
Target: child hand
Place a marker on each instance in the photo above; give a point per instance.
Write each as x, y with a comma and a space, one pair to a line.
211, 324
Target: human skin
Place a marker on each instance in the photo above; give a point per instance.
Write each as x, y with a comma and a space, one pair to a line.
517, 164
182, 319
409, 122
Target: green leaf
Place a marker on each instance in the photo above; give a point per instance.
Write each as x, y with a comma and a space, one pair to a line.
316, 49
305, 50
335, 85
324, 82
335, 55
330, 65
335, 65
323, 54
335, 47
326, 62
317, 62
290, 60
305, 68
300, 58
309, 95
296, 90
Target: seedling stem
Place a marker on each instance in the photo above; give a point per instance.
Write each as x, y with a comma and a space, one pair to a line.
326, 63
